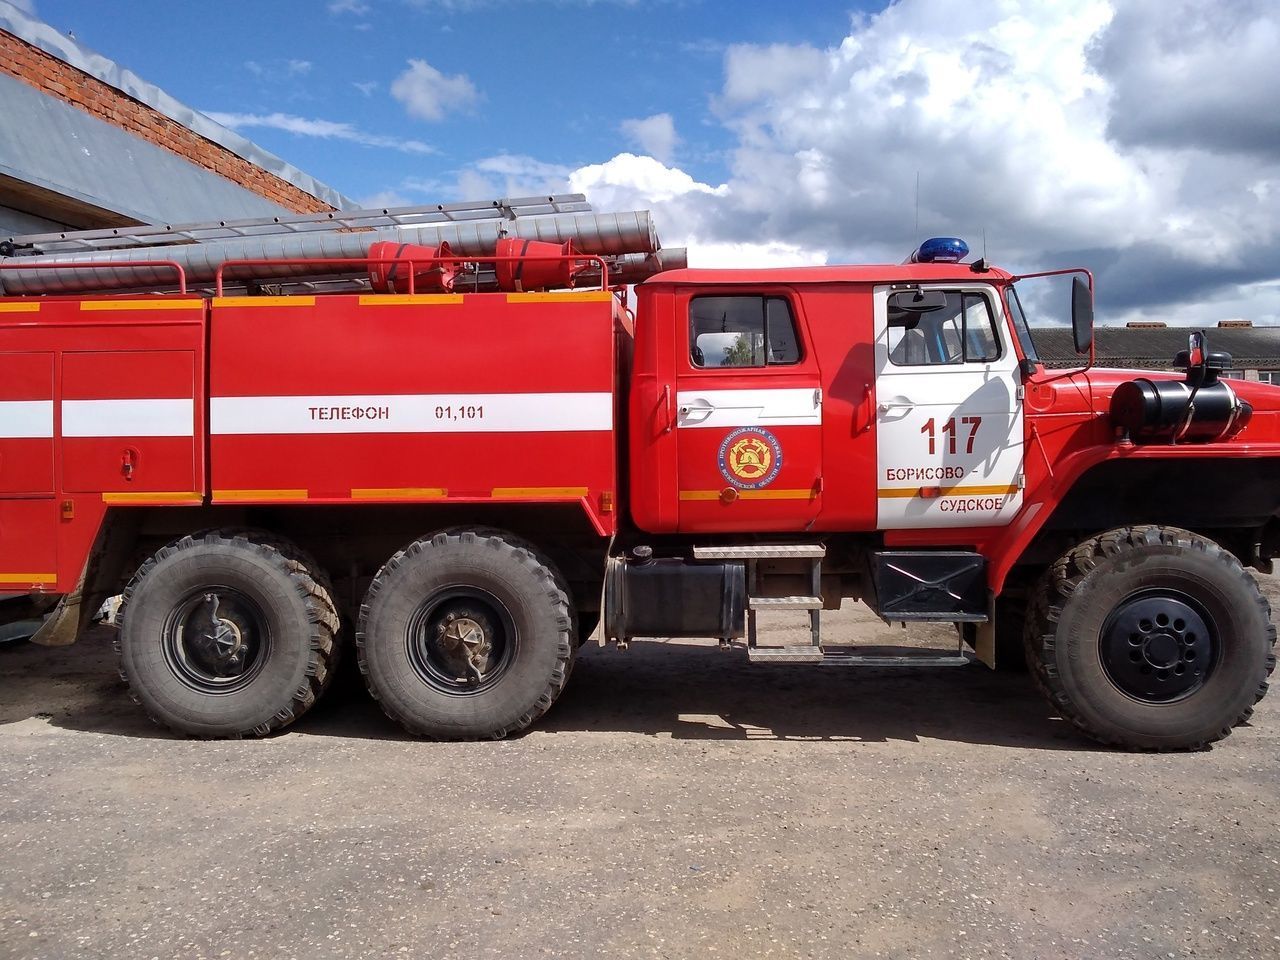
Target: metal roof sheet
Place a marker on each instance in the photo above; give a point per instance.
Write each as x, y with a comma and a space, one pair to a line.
1153, 348
69, 51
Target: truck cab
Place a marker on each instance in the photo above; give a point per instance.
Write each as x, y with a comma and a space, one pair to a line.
827, 399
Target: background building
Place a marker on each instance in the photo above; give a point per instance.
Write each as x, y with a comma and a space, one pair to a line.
1255, 351
85, 143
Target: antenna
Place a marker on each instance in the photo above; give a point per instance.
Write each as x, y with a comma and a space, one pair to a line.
917, 233
984, 242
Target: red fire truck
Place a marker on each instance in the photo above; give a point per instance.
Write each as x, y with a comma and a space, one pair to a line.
440, 437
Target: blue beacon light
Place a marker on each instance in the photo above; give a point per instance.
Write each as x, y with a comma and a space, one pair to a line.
941, 250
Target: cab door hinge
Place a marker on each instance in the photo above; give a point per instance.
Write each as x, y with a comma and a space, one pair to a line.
1020, 392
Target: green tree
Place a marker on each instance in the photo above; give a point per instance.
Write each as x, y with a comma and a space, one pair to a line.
742, 353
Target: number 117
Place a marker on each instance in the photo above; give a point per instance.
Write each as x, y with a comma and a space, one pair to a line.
949, 433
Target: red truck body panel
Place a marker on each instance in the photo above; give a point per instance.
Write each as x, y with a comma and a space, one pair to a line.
105, 407
344, 399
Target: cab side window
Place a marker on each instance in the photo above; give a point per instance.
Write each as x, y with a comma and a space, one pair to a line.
928, 327
742, 331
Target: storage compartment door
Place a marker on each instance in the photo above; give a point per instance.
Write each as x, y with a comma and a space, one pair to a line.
128, 423
26, 424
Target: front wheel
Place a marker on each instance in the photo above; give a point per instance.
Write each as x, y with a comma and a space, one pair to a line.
1151, 638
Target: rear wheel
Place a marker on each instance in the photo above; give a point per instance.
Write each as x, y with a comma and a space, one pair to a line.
466, 634
223, 636
1151, 638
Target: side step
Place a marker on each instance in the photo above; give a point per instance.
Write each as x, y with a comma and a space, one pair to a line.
806, 653
785, 603
788, 551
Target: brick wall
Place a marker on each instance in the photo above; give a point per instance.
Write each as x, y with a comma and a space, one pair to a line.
55, 78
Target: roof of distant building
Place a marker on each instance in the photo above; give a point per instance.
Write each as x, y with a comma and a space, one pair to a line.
1153, 348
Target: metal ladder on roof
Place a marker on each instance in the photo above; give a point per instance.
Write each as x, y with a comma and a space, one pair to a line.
146, 235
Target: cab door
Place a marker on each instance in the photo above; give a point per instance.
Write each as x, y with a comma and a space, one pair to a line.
748, 414
949, 415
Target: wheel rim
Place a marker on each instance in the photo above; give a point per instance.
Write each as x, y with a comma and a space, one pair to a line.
1159, 646
216, 640
461, 640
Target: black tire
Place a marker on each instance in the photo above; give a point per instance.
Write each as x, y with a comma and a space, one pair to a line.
301, 561
1011, 629
495, 583
588, 620
1151, 638
284, 616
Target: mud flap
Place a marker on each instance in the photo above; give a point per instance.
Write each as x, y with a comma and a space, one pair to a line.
984, 643
63, 626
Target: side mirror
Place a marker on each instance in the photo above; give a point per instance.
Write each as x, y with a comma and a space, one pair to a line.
1081, 315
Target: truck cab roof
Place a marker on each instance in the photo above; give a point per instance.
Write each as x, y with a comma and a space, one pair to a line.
839, 273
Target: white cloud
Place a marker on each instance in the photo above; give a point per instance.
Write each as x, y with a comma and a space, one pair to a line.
382, 199
355, 7
1183, 74
655, 135
299, 67
366, 87
26, 6
324, 129
1141, 144
754, 72
428, 94
507, 175
747, 255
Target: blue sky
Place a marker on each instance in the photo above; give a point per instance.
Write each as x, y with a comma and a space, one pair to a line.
1139, 138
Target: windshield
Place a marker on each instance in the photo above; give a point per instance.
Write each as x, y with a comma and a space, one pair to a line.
1020, 325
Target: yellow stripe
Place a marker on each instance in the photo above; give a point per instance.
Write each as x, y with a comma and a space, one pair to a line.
164, 496
540, 491
28, 578
400, 299
906, 493
780, 494
264, 301
587, 296
398, 493
259, 494
140, 304
19, 307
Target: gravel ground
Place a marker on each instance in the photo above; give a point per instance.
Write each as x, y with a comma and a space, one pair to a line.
677, 802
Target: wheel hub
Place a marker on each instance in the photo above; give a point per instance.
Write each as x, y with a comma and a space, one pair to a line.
215, 641
466, 640
461, 641
1158, 647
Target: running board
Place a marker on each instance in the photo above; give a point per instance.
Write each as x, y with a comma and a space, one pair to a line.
777, 551
785, 603
806, 653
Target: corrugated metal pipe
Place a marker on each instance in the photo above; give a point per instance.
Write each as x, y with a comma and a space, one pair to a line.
608, 234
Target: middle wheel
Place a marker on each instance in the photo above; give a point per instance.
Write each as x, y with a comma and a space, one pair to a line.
466, 634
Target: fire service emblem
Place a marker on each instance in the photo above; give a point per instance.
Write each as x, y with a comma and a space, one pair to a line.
750, 458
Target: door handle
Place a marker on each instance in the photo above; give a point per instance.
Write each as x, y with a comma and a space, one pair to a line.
696, 411
668, 402
898, 403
